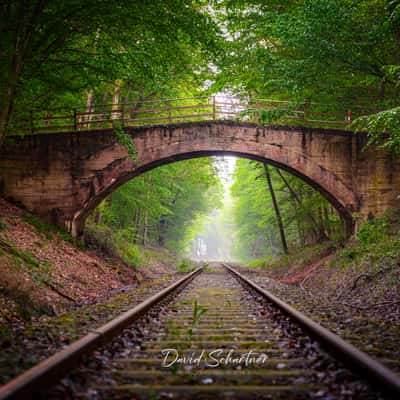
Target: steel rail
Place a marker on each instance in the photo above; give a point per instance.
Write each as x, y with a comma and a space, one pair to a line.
354, 358
47, 372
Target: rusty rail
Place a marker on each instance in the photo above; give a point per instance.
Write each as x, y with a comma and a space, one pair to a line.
167, 111
48, 371
355, 359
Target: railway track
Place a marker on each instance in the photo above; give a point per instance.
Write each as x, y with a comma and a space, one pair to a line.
213, 334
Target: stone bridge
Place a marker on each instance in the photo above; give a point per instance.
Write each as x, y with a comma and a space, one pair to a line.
63, 177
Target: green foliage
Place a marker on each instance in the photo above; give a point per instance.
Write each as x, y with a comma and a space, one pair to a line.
155, 49
315, 51
373, 231
160, 207
272, 116
101, 237
260, 262
349, 253
307, 220
131, 255
126, 249
376, 246
117, 243
198, 311
383, 129
126, 141
303, 256
185, 266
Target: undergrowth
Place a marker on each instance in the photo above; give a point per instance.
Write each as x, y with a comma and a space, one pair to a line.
47, 229
301, 257
375, 246
185, 266
117, 244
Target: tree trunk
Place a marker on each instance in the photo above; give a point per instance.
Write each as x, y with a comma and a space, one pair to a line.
318, 232
145, 227
327, 221
97, 217
89, 106
4, 120
115, 101
137, 226
276, 208
301, 233
161, 232
7, 101
146, 212
382, 87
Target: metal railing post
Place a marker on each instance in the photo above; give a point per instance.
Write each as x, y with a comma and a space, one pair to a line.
75, 121
123, 114
214, 108
31, 121
306, 109
257, 112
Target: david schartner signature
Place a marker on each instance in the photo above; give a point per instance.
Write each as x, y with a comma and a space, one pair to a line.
212, 358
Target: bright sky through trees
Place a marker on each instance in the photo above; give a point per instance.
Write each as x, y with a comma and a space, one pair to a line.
215, 231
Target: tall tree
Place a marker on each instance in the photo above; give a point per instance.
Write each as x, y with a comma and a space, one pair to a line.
254, 216
53, 52
276, 209
161, 206
315, 50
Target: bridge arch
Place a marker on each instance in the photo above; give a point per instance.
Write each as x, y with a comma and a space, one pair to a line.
78, 221
64, 176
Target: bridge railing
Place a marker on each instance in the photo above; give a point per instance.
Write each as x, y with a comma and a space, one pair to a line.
170, 111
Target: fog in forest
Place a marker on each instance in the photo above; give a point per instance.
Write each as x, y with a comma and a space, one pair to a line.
215, 236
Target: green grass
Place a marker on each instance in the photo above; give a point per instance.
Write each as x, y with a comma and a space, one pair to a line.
375, 247
47, 229
297, 256
185, 266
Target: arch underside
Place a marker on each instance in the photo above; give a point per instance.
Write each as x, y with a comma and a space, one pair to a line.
344, 209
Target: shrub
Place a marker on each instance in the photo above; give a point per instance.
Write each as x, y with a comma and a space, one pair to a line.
373, 231
130, 255
185, 266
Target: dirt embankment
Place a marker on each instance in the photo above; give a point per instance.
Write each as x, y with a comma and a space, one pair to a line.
360, 280
43, 272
